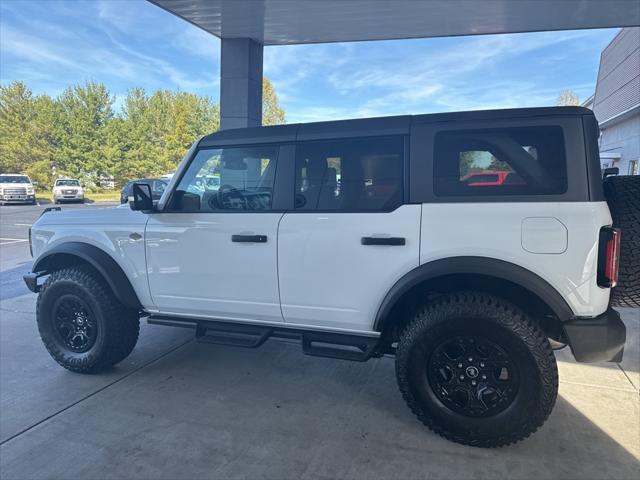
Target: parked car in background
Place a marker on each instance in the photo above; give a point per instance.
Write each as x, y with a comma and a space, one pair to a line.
16, 188
157, 188
68, 190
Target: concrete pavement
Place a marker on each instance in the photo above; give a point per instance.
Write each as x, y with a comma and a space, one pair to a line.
178, 409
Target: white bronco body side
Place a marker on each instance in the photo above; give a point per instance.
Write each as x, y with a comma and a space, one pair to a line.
315, 272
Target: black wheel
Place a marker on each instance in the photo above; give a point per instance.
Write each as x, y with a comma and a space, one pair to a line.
623, 197
83, 326
476, 370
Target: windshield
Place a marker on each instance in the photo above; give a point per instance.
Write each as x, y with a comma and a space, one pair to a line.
14, 179
67, 183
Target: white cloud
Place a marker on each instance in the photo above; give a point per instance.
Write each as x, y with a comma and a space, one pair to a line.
399, 77
95, 51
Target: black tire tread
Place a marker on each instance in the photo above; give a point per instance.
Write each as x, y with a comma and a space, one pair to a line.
508, 316
623, 197
123, 323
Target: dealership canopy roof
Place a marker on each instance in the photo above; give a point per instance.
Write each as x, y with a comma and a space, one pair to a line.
285, 22
246, 26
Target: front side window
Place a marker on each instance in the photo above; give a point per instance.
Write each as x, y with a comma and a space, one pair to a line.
500, 161
227, 179
363, 174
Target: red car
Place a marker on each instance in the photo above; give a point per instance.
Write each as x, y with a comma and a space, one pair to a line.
492, 178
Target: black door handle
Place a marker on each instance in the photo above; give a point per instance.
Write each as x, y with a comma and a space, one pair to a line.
394, 241
249, 238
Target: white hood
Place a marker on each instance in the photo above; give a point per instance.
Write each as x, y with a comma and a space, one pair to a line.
15, 185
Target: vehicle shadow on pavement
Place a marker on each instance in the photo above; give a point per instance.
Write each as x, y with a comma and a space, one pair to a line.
218, 412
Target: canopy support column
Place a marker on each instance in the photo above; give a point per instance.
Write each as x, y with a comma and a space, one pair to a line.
240, 83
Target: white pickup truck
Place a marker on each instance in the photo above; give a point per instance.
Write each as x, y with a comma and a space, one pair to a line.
16, 188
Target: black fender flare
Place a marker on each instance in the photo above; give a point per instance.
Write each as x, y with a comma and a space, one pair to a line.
101, 261
486, 266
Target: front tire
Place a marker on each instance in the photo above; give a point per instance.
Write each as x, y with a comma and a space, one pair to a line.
476, 370
82, 325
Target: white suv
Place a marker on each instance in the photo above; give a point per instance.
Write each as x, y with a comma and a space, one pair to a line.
68, 190
459, 243
16, 188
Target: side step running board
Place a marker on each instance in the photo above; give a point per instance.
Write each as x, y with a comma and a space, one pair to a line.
345, 347
357, 348
247, 336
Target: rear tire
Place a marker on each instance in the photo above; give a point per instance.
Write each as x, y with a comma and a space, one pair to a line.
82, 325
623, 197
474, 369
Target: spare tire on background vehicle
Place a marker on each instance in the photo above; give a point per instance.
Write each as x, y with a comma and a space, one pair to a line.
623, 197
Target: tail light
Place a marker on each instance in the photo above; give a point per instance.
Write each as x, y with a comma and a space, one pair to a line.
608, 257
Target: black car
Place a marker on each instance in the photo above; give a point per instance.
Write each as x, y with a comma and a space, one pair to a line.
157, 188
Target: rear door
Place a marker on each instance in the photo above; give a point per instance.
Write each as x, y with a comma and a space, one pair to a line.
212, 250
351, 234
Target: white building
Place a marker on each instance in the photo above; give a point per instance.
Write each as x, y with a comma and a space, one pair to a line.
616, 102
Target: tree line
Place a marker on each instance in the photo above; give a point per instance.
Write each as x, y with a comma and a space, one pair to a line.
80, 134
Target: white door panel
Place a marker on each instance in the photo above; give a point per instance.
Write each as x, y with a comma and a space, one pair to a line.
195, 268
328, 278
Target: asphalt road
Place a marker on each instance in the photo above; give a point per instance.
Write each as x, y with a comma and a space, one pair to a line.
179, 409
15, 259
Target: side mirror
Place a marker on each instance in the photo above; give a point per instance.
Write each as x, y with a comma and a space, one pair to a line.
35, 184
141, 197
607, 172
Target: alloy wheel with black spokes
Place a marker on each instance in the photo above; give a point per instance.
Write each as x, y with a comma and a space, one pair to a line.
74, 323
476, 370
472, 376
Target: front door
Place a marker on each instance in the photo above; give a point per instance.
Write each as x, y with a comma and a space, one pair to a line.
212, 251
351, 235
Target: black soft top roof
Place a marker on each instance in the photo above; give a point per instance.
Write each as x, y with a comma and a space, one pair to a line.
396, 125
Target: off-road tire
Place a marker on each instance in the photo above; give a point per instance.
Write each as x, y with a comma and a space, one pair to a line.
497, 319
623, 197
118, 327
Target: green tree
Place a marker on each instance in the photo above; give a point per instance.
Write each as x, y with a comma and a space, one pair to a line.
78, 134
17, 116
272, 113
86, 111
29, 132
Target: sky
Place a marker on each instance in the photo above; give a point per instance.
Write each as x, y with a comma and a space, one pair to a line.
51, 44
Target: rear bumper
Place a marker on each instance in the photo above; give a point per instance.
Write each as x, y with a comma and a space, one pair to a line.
599, 339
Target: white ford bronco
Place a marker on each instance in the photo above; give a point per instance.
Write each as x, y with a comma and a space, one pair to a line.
463, 244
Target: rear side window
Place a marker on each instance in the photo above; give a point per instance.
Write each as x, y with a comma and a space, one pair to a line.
500, 161
362, 174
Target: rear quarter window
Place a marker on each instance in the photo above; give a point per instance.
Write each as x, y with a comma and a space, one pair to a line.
500, 161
